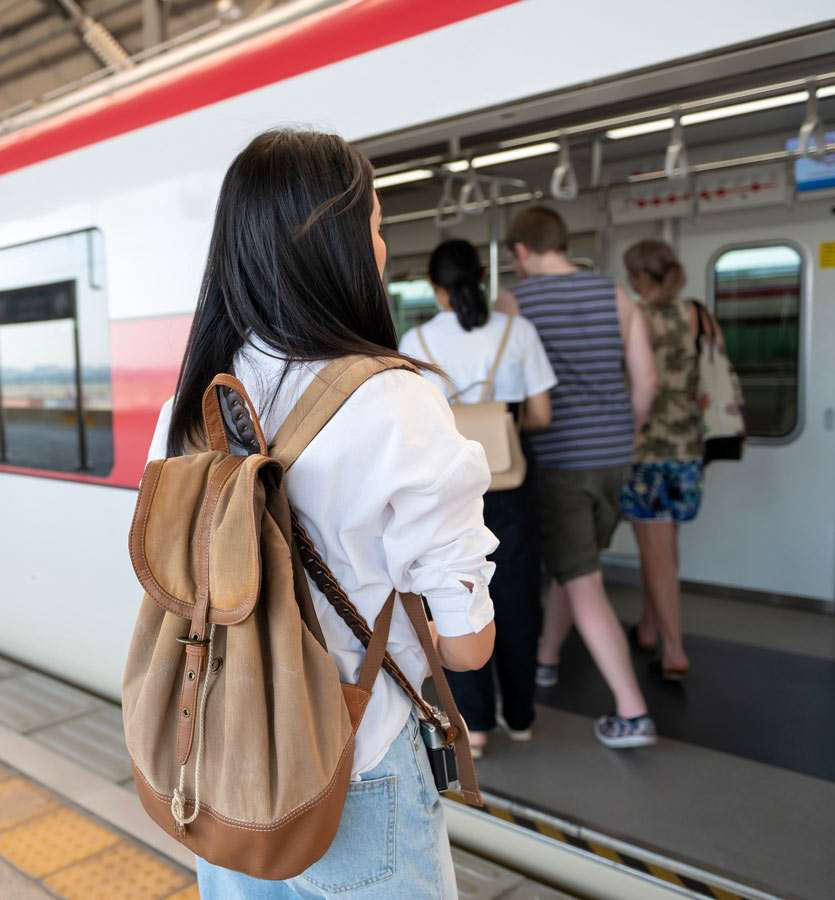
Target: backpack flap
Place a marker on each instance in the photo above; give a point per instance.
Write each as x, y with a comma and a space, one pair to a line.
187, 507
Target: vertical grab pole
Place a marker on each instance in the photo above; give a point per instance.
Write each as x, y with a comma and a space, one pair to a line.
495, 191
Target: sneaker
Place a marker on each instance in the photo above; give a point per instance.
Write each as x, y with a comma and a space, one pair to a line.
546, 676
477, 748
515, 734
615, 731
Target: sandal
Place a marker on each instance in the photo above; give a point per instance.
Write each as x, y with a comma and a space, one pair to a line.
659, 673
634, 640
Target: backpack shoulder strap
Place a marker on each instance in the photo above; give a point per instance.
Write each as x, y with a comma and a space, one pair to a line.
488, 385
425, 346
323, 398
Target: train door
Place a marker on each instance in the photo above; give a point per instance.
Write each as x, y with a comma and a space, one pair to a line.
768, 522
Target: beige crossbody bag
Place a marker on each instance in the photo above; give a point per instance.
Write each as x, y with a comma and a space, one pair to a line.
491, 423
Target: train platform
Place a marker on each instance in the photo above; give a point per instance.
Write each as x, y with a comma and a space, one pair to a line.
72, 827
737, 800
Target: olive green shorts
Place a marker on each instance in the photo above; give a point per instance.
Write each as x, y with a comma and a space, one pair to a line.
578, 512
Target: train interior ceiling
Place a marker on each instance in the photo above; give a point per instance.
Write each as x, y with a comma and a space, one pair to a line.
732, 128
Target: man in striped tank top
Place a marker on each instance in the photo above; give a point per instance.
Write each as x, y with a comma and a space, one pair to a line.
591, 331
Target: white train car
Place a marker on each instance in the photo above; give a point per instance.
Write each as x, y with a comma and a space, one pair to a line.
106, 201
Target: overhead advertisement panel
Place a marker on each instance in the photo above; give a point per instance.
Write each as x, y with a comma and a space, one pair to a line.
742, 188
648, 202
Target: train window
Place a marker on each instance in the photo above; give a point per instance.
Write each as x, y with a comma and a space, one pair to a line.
56, 410
758, 302
413, 302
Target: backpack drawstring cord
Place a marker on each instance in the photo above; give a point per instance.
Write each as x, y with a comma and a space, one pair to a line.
178, 800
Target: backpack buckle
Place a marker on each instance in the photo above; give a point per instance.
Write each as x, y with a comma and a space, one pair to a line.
192, 640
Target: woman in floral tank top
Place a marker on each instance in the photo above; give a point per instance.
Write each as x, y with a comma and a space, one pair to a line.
666, 484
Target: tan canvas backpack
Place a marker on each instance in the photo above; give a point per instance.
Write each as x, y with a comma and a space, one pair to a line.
490, 423
239, 730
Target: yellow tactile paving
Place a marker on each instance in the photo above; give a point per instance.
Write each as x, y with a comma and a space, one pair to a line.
20, 802
124, 871
190, 893
54, 841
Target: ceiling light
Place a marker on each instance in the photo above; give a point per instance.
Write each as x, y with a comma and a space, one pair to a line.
406, 177
504, 156
720, 112
740, 109
641, 128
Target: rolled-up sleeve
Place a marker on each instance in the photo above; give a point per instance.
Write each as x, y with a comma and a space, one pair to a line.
435, 538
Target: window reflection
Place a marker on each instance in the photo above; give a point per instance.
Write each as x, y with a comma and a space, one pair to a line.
413, 303
55, 395
758, 300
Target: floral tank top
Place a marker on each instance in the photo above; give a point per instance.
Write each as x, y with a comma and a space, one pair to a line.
673, 427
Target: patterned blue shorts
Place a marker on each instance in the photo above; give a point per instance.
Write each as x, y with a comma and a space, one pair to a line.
668, 491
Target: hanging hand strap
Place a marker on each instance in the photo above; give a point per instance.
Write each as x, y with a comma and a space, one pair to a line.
488, 385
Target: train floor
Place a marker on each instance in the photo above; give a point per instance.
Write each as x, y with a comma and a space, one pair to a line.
742, 780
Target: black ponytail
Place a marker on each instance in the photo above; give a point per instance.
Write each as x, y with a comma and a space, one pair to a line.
455, 267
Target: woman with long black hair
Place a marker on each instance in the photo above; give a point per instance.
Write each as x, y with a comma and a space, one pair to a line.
465, 339
388, 491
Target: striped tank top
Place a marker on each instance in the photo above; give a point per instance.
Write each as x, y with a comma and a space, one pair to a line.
577, 319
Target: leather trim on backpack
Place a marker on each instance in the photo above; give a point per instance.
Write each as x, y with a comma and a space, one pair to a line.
308, 830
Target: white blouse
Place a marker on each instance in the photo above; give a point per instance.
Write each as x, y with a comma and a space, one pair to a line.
391, 495
467, 357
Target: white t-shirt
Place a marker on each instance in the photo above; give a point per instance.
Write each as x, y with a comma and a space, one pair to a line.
391, 495
468, 356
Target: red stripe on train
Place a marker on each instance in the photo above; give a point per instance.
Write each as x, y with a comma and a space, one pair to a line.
352, 28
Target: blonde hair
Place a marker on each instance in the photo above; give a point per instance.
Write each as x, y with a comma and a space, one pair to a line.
659, 261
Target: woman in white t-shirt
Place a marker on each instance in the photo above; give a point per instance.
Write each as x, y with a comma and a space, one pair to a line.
388, 491
463, 339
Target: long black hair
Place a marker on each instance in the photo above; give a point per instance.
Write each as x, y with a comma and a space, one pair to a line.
455, 266
291, 262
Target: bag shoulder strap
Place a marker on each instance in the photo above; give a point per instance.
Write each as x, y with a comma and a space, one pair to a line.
413, 604
323, 398
703, 318
425, 346
488, 385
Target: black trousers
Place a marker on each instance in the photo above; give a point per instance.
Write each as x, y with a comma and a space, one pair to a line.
511, 516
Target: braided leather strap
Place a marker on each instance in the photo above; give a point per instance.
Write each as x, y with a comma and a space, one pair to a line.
338, 599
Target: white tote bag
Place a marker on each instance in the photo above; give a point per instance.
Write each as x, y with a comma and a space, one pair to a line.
720, 394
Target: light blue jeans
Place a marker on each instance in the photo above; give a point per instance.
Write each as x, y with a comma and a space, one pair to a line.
392, 842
